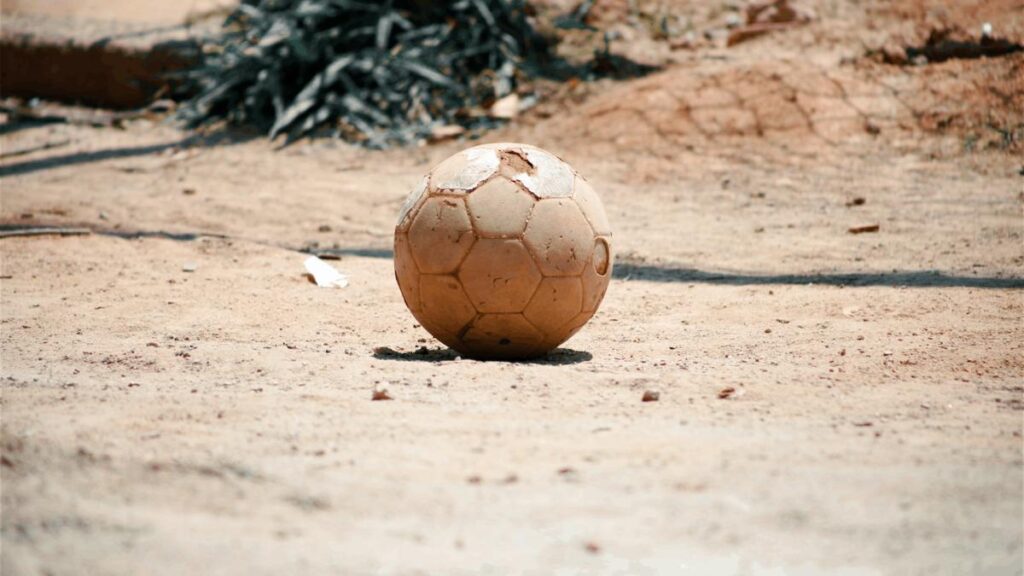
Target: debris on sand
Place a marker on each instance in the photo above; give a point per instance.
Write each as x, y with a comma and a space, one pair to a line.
569, 473
768, 16
446, 131
950, 44
866, 229
381, 392
730, 392
857, 201
323, 274
505, 108
651, 396
189, 267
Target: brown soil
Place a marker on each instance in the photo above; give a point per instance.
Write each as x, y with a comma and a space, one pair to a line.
827, 402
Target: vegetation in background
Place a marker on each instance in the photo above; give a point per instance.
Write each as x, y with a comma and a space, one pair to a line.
379, 73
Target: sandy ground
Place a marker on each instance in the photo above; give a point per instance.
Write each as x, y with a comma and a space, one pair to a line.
219, 421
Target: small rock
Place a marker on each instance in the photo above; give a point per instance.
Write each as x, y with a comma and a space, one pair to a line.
858, 201
592, 547
189, 267
445, 132
189, 191
651, 396
727, 392
867, 228
324, 228
381, 392
505, 108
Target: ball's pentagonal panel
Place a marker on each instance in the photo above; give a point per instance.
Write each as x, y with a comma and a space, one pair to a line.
440, 235
504, 252
499, 209
444, 307
549, 177
559, 237
499, 275
591, 207
465, 170
406, 273
502, 336
556, 301
412, 202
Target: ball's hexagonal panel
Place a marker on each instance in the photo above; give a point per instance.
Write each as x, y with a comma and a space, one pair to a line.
412, 202
444, 308
440, 235
499, 275
556, 301
596, 274
465, 170
591, 206
568, 330
499, 209
406, 273
559, 236
502, 336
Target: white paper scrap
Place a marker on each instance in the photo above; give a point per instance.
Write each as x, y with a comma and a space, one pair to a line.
324, 274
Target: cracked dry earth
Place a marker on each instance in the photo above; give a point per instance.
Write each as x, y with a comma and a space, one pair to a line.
828, 402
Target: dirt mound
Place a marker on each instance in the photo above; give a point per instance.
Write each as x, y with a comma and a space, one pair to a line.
804, 107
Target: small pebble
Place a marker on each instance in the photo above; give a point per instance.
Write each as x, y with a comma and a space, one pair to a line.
380, 392
651, 396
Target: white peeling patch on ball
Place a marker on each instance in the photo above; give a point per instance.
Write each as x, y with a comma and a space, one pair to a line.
481, 164
551, 178
412, 200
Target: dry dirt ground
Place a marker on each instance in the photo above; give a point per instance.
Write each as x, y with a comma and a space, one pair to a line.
219, 420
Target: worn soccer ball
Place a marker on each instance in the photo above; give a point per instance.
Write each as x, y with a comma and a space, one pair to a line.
503, 251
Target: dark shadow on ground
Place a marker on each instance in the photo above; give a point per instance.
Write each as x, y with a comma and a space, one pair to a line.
327, 253
10, 127
557, 357
910, 278
76, 158
672, 273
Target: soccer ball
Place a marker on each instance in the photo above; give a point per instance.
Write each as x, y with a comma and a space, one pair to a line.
503, 251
